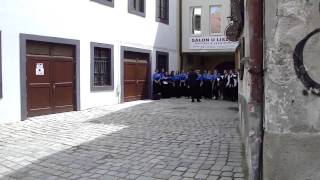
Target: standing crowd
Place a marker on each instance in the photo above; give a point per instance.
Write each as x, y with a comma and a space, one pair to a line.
196, 85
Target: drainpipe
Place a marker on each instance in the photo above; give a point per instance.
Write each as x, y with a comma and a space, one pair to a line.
255, 15
180, 36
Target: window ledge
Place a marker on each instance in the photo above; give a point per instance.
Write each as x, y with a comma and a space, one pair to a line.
162, 21
216, 34
138, 13
105, 2
102, 88
196, 35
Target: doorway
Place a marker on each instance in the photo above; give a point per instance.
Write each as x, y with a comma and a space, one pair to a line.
50, 70
136, 76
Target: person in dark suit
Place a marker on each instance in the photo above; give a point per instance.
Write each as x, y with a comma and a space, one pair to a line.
234, 86
194, 85
209, 85
177, 84
216, 85
165, 85
224, 84
183, 84
205, 84
171, 87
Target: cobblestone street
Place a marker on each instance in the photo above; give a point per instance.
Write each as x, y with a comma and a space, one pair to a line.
145, 140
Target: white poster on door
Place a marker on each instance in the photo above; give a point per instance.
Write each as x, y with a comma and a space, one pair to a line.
39, 69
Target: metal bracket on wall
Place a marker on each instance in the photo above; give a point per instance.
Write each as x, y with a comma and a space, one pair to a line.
244, 60
255, 70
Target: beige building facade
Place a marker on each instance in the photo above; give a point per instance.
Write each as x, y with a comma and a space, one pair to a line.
203, 41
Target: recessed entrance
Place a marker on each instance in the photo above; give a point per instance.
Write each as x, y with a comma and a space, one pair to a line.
51, 78
209, 61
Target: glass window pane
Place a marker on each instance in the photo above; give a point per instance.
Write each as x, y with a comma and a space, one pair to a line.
215, 19
135, 4
163, 10
141, 5
196, 20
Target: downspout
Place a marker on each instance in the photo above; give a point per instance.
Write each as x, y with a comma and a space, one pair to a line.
255, 15
180, 35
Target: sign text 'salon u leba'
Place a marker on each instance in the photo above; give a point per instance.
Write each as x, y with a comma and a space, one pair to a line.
212, 42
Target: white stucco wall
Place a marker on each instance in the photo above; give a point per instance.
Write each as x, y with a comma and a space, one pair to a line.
205, 22
86, 21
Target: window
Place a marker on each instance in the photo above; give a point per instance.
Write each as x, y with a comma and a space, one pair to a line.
162, 61
162, 11
215, 19
105, 2
196, 20
101, 67
0, 68
137, 7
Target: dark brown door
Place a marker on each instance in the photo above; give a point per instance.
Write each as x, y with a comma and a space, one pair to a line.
142, 71
63, 84
50, 78
136, 78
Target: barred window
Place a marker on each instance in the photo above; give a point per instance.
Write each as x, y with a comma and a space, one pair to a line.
102, 70
163, 11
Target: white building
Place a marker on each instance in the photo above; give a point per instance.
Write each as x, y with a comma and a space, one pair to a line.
204, 44
72, 55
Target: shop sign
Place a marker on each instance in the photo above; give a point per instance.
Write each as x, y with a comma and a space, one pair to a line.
212, 42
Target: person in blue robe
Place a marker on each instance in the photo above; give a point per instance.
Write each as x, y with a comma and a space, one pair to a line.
209, 85
156, 78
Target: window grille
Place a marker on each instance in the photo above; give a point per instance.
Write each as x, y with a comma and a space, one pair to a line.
102, 67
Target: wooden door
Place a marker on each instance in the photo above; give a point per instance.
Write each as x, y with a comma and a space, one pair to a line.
63, 84
39, 87
136, 77
50, 78
142, 71
130, 80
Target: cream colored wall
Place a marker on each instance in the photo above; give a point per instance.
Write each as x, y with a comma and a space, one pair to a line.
205, 20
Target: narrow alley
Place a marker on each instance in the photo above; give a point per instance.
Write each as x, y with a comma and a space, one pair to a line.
166, 139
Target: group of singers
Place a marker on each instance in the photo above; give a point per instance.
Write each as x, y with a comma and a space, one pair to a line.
196, 85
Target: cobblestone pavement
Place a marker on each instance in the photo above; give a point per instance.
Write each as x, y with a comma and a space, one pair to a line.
168, 139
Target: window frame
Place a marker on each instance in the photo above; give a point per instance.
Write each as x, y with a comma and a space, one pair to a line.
131, 10
105, 2
167, 11
192, 20
1, 91
94, 88
162, 54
